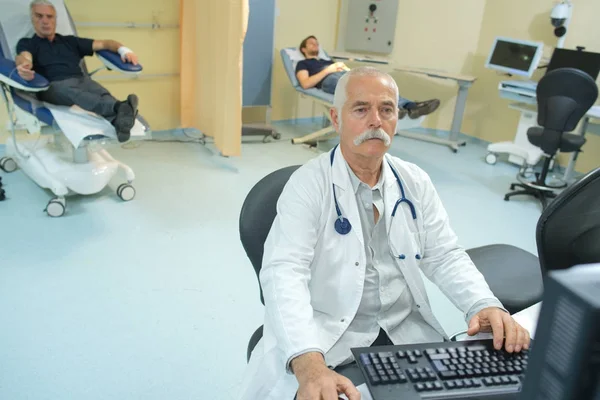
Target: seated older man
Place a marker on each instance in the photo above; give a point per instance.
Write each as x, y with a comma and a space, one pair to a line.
57, 58
342, 264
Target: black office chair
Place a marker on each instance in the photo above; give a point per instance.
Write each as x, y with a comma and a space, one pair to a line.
568, 232
257, 215
563, 96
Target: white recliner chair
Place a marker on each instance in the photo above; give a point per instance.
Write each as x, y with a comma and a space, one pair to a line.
69, 156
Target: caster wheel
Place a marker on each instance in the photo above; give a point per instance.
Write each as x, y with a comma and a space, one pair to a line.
491, 158
277, 136
126, 192
56, 208
2, 195
512, 187
8, 164
266, 139
506, 198
455, 151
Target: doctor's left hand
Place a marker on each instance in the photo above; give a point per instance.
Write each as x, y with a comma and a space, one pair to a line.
503, 327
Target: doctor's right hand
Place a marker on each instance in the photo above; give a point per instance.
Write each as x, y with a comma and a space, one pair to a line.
317, 382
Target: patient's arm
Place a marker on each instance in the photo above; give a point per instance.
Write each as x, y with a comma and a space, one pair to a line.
116, 47
308, 82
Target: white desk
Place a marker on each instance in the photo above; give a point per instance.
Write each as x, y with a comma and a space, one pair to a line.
464, 83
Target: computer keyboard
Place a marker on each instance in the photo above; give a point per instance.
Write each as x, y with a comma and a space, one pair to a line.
467, 369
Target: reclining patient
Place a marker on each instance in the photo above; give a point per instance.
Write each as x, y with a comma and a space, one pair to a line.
57, 58
325, 74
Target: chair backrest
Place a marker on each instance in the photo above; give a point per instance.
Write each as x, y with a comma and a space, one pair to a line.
15, 23
568, 231
258, 213
564, 96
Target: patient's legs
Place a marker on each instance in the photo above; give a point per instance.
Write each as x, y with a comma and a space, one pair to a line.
92, 96
85, 93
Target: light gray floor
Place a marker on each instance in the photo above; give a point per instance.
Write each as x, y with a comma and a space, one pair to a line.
155, 299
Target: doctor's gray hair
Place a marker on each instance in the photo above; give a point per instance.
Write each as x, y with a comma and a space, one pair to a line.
40, 3
341, 93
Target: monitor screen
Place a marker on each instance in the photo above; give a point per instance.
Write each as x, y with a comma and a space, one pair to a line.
582, 60
517, 57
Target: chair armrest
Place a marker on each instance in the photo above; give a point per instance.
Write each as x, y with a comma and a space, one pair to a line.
113, 61
10, 76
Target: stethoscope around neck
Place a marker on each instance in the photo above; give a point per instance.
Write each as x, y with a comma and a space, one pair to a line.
343, 226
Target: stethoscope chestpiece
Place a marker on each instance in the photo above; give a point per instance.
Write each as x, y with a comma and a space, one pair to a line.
342, 226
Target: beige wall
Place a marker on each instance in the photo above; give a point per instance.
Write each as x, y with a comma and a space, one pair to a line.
158, 51
456, 38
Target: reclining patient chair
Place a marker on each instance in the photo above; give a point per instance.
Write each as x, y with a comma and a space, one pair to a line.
291, 56
69, 157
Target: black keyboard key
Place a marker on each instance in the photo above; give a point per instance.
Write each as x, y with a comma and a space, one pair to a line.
402, 378
439, 366
448, 374
443, 356
385, 379
401, 354
514, 379
459, 384
497, 380
468, 383
477, 372
412, 359
450, 385
364, 358
476, 383
476, 348
423, 376
488, 381
437, 385
505, 380
431, 351
420, 387
417, 353
428, 385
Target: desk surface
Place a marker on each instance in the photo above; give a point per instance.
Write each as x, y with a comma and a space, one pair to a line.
432, 72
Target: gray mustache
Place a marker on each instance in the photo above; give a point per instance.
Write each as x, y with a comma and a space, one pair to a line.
373, 134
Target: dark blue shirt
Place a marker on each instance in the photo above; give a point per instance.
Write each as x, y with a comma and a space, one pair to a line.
59, 59
313, 66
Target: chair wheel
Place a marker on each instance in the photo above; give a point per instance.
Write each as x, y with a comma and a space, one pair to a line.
8, 164
56, 207
512, 187
506, 198
277, 136
126, 192
491, 158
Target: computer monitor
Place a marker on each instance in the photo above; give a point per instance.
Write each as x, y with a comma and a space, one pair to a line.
564, 363
516, 57
583, 60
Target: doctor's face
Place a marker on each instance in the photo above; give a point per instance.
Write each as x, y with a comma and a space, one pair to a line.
44, 20
369, 116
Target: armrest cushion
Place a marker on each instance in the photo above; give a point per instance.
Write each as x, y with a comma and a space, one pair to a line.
113, 61
10, 76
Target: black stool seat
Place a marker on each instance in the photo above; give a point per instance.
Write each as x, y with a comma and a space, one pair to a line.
569, 142
513, 274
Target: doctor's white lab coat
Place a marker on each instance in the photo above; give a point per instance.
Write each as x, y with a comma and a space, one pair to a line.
312, 277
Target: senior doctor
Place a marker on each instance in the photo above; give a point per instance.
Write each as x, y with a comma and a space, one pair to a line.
341, 264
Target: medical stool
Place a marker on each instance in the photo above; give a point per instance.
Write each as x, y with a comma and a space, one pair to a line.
564, 96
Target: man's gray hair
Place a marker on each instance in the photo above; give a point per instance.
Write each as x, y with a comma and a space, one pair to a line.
40, 3
341, 93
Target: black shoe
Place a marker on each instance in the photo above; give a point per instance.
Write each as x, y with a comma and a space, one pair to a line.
133, 101
124, 121
423, 108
